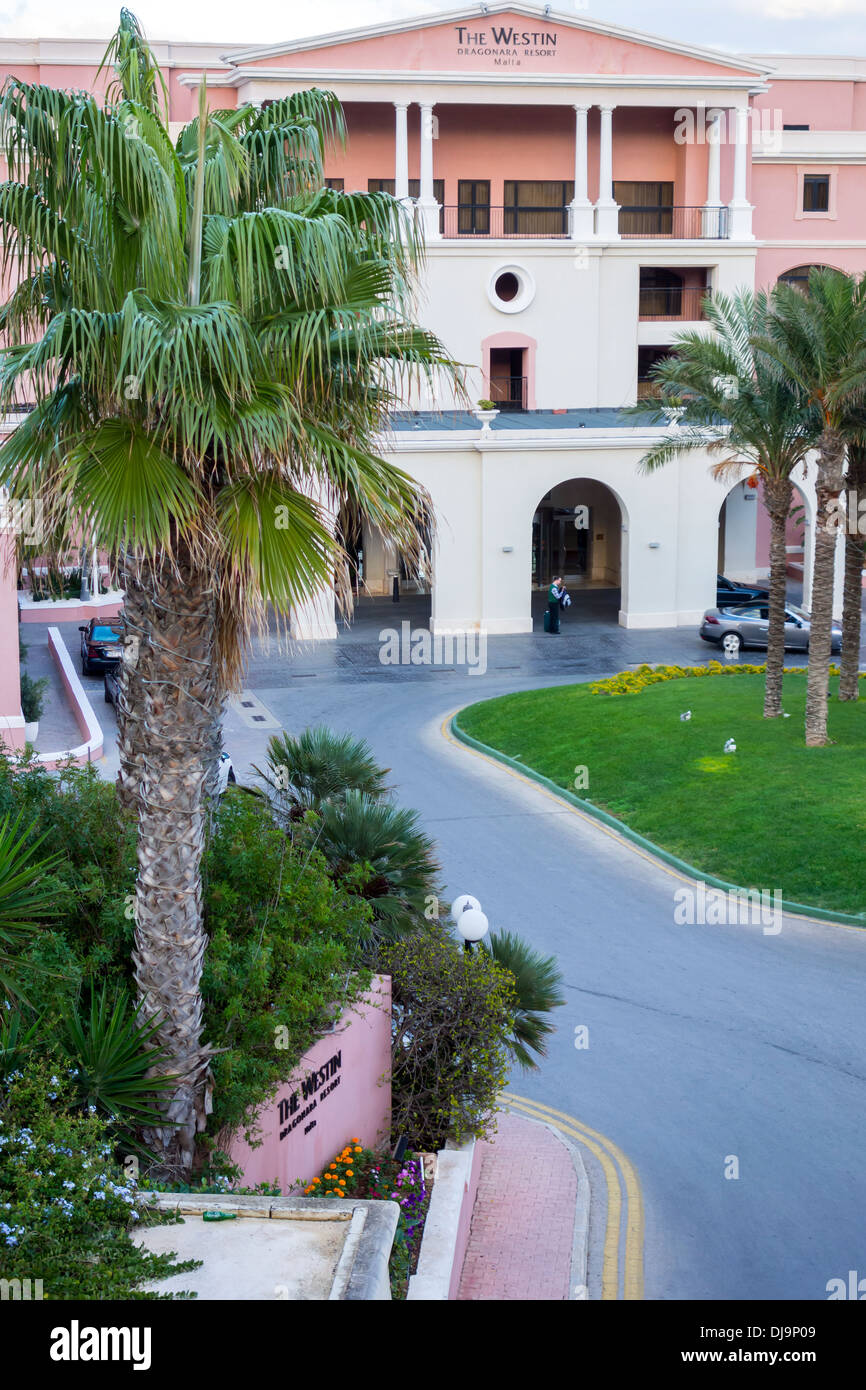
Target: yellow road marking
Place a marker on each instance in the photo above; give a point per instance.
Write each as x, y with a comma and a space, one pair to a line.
623, 1188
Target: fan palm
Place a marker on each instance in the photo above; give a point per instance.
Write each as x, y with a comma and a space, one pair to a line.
819, 341
737, 403
318, 765
26, 900
538, 985
210, 339
379, 851
852, 595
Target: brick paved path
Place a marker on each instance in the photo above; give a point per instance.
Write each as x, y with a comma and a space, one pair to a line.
520, 1242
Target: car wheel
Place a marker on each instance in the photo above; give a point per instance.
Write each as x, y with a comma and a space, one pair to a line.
732, 644
85, 669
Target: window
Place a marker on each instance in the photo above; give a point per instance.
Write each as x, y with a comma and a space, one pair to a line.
473, 207
646, 209
816, 192
389, 186
338, 184
795, 127
537, 207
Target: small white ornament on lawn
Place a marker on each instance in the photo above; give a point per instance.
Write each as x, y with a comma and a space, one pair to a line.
730, 746
687, 715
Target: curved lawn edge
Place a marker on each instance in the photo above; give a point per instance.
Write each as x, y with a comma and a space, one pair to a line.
594, 812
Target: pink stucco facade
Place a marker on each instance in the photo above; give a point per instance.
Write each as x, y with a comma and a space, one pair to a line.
340, 1090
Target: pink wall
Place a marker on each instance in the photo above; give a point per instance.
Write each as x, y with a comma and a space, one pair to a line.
10, 686
437, 47
500, 142
350, 1070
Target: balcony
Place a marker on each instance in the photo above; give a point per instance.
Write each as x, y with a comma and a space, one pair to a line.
481, 220
672, 302
508, 392
679, 224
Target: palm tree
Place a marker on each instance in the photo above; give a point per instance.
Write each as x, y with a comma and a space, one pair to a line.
209, 339
319, 765
739, 404
819, 341
538, 985
852, 594
379, 851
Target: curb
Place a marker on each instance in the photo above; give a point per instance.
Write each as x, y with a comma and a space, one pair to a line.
580, 1243
592, 812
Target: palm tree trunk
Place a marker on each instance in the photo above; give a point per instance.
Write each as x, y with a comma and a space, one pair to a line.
178, 703
852, 600
777, 499
831, 460
133, 674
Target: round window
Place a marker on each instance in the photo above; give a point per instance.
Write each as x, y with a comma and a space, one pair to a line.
507, 286
510, 288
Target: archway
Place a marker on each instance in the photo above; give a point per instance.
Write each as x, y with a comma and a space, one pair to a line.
744, 538
579, 532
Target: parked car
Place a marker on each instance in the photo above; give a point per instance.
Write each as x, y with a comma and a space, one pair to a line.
747, 625
100, 646
728, 591
111, 685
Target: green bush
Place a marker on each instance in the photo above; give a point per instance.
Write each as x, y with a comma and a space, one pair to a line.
453, 1015
283, 957
67, 1211
32, 697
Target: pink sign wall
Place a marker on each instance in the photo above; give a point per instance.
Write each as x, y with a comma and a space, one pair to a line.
340, 1089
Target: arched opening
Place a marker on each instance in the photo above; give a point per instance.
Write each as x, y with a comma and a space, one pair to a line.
579, 532
798, 276
744, 539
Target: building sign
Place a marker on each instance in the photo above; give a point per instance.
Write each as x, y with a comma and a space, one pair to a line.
304, 1099
504, 44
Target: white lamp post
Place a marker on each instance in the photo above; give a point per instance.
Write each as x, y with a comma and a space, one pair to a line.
471, 922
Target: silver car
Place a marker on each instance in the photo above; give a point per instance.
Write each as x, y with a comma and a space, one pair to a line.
747, 625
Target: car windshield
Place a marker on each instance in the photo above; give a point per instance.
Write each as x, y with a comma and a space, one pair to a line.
797, 612
104, 634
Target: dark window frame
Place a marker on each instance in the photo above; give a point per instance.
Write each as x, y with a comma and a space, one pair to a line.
516, 214
816, 184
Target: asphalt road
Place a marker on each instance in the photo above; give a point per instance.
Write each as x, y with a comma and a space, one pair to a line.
706, 1043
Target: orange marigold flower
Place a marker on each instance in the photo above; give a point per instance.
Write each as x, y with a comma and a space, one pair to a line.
349, 1173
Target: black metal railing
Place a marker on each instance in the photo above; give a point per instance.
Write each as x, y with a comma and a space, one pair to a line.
479, 220
672, 302
508, 392
686, 224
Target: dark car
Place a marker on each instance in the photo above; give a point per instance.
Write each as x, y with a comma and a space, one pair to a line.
101, 646
111, 684
728, 592
748, 625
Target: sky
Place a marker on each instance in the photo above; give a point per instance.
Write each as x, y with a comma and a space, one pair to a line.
757, 26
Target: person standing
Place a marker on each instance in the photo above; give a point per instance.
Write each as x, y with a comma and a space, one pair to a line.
554, 594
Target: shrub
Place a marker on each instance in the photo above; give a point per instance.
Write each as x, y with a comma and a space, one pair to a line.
283, 958
67, 1210
32, 697
453, 1013
632, 682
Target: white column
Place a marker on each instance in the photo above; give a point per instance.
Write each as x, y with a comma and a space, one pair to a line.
740, 218
401, 151
314, 619
606, 210
712, 216
427, 204
582, 216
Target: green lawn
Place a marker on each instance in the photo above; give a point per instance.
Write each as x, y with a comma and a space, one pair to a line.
772, 815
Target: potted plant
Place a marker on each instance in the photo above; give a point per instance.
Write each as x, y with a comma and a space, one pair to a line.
32, 704
486, 412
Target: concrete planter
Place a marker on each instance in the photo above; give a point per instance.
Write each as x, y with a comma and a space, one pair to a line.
446, 1229
31, 731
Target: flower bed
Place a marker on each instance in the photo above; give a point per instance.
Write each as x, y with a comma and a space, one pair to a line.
360, 1172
